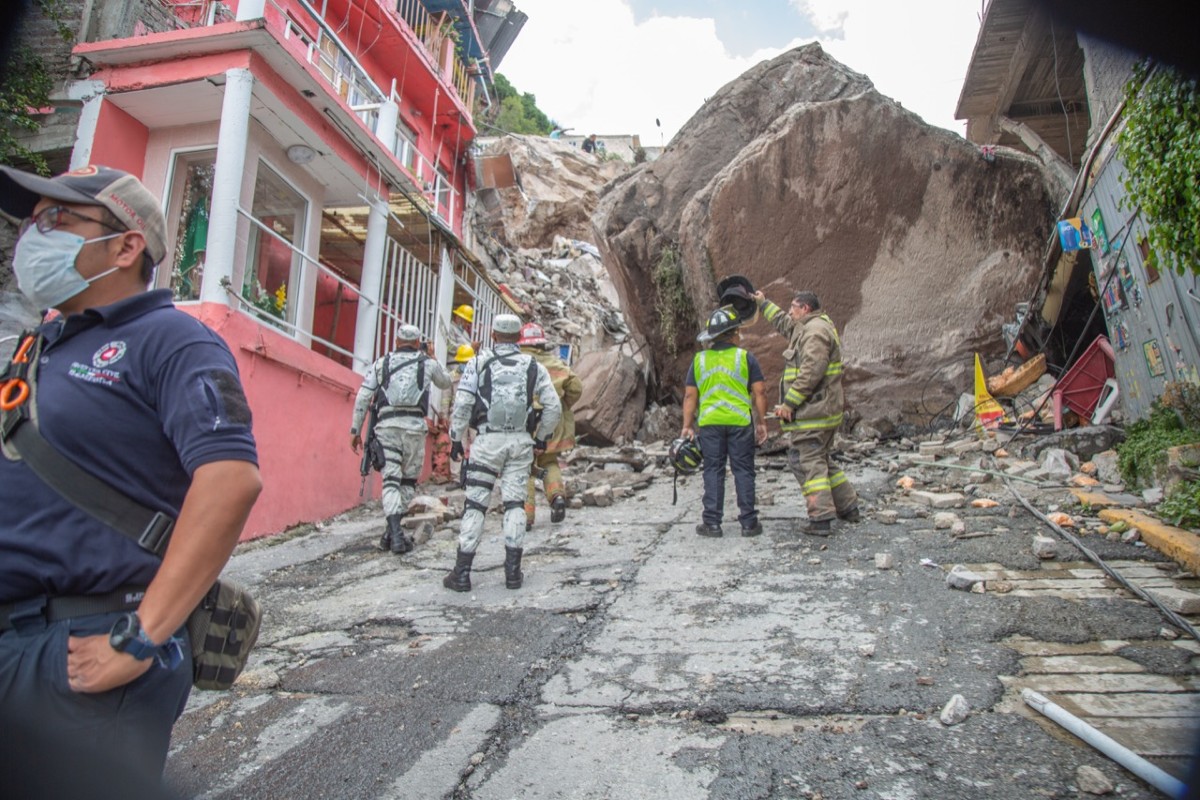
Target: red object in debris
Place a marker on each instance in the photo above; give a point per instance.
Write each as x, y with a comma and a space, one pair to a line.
1080, 387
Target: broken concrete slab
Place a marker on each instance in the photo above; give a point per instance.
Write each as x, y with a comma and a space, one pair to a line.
939, 499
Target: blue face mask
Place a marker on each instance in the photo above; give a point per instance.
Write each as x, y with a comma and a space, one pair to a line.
44, 264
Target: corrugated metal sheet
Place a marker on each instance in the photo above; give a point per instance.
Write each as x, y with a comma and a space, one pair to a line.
1153, 316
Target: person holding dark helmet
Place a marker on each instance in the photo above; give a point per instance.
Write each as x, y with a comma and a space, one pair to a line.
145, 399
725, 396
811, 408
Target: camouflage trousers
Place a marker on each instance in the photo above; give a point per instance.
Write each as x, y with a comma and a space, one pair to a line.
503, 458
827, 491
404, 458
552, 483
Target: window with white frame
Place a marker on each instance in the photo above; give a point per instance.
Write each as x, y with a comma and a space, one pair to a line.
273, 262
190, 198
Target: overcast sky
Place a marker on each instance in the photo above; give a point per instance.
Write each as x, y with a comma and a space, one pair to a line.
615, 66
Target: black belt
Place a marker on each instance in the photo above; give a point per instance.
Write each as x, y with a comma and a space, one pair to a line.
63, 607
391, 413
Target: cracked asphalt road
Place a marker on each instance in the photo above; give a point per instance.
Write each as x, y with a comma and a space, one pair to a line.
643, 661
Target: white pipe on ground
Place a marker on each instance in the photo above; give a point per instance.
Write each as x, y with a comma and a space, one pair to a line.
1165, 783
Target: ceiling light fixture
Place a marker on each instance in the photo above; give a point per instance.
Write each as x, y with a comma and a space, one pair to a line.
301, 154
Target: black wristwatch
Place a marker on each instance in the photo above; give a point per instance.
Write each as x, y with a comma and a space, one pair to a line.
127, 636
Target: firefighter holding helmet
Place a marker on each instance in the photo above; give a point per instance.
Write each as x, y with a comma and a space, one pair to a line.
811, 408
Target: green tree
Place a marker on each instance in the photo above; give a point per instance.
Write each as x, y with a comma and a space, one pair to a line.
1160, 147
519, 112
26, 87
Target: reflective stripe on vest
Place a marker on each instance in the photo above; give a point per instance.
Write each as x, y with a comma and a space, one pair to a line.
722, 377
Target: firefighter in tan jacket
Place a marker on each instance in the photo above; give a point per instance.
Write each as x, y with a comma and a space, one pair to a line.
569, 389
811, 408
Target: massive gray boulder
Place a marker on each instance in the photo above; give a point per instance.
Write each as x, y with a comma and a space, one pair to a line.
614, 398
800, 175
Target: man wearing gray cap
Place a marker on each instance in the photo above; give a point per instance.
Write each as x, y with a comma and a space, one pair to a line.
400, 382
495, 397
145, 399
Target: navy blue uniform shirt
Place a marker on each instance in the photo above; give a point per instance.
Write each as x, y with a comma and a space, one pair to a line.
755, 371
139, 394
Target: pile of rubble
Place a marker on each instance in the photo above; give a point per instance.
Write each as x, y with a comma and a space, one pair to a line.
566, 289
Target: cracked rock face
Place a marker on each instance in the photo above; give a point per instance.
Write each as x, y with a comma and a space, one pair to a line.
800, 175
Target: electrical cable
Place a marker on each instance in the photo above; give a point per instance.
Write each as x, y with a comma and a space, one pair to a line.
1171, 616
1058, 91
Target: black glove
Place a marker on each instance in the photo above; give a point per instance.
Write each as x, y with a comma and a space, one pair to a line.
539, 444
456, 451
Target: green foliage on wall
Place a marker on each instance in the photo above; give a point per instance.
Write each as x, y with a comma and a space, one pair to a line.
519, 112
671, 303
1146, 442
27, 87
1160, 147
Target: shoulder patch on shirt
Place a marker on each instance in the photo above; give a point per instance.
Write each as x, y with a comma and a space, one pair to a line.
108, 355
233, 399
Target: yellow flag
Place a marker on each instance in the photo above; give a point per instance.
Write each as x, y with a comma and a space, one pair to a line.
988, 412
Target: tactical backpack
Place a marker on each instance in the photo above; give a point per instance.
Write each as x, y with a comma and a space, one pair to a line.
503, 401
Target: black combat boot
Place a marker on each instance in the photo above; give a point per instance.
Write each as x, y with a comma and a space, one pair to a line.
385, 540
817, 527
513, 577
459, 578
400, 542
558, 509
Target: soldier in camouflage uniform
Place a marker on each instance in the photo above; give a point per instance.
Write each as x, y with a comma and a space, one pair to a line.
495, 397
811, 408
569, 389
404, 376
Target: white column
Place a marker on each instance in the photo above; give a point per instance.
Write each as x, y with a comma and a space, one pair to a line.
251, 9
385, 129
445, 306
91, 94
370, 285
227, 185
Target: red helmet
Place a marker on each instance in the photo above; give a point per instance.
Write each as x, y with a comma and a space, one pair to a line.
532, 333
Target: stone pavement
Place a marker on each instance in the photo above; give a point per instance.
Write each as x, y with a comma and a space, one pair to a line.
640, 660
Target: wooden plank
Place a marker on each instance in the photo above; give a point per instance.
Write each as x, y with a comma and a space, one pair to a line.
1078, 664
1103, 682
1031, 647
1130, 704
1146, 737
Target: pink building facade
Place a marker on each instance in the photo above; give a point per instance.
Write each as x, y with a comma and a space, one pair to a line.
314, 182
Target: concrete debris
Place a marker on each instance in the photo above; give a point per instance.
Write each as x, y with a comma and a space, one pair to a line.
959, 577
866, 650
944, 520
1055, 463
1180, 601
884, 561
887, 516
1092, 781
1107, 469
955, 711
1044, 547
1132, 535
939, 499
